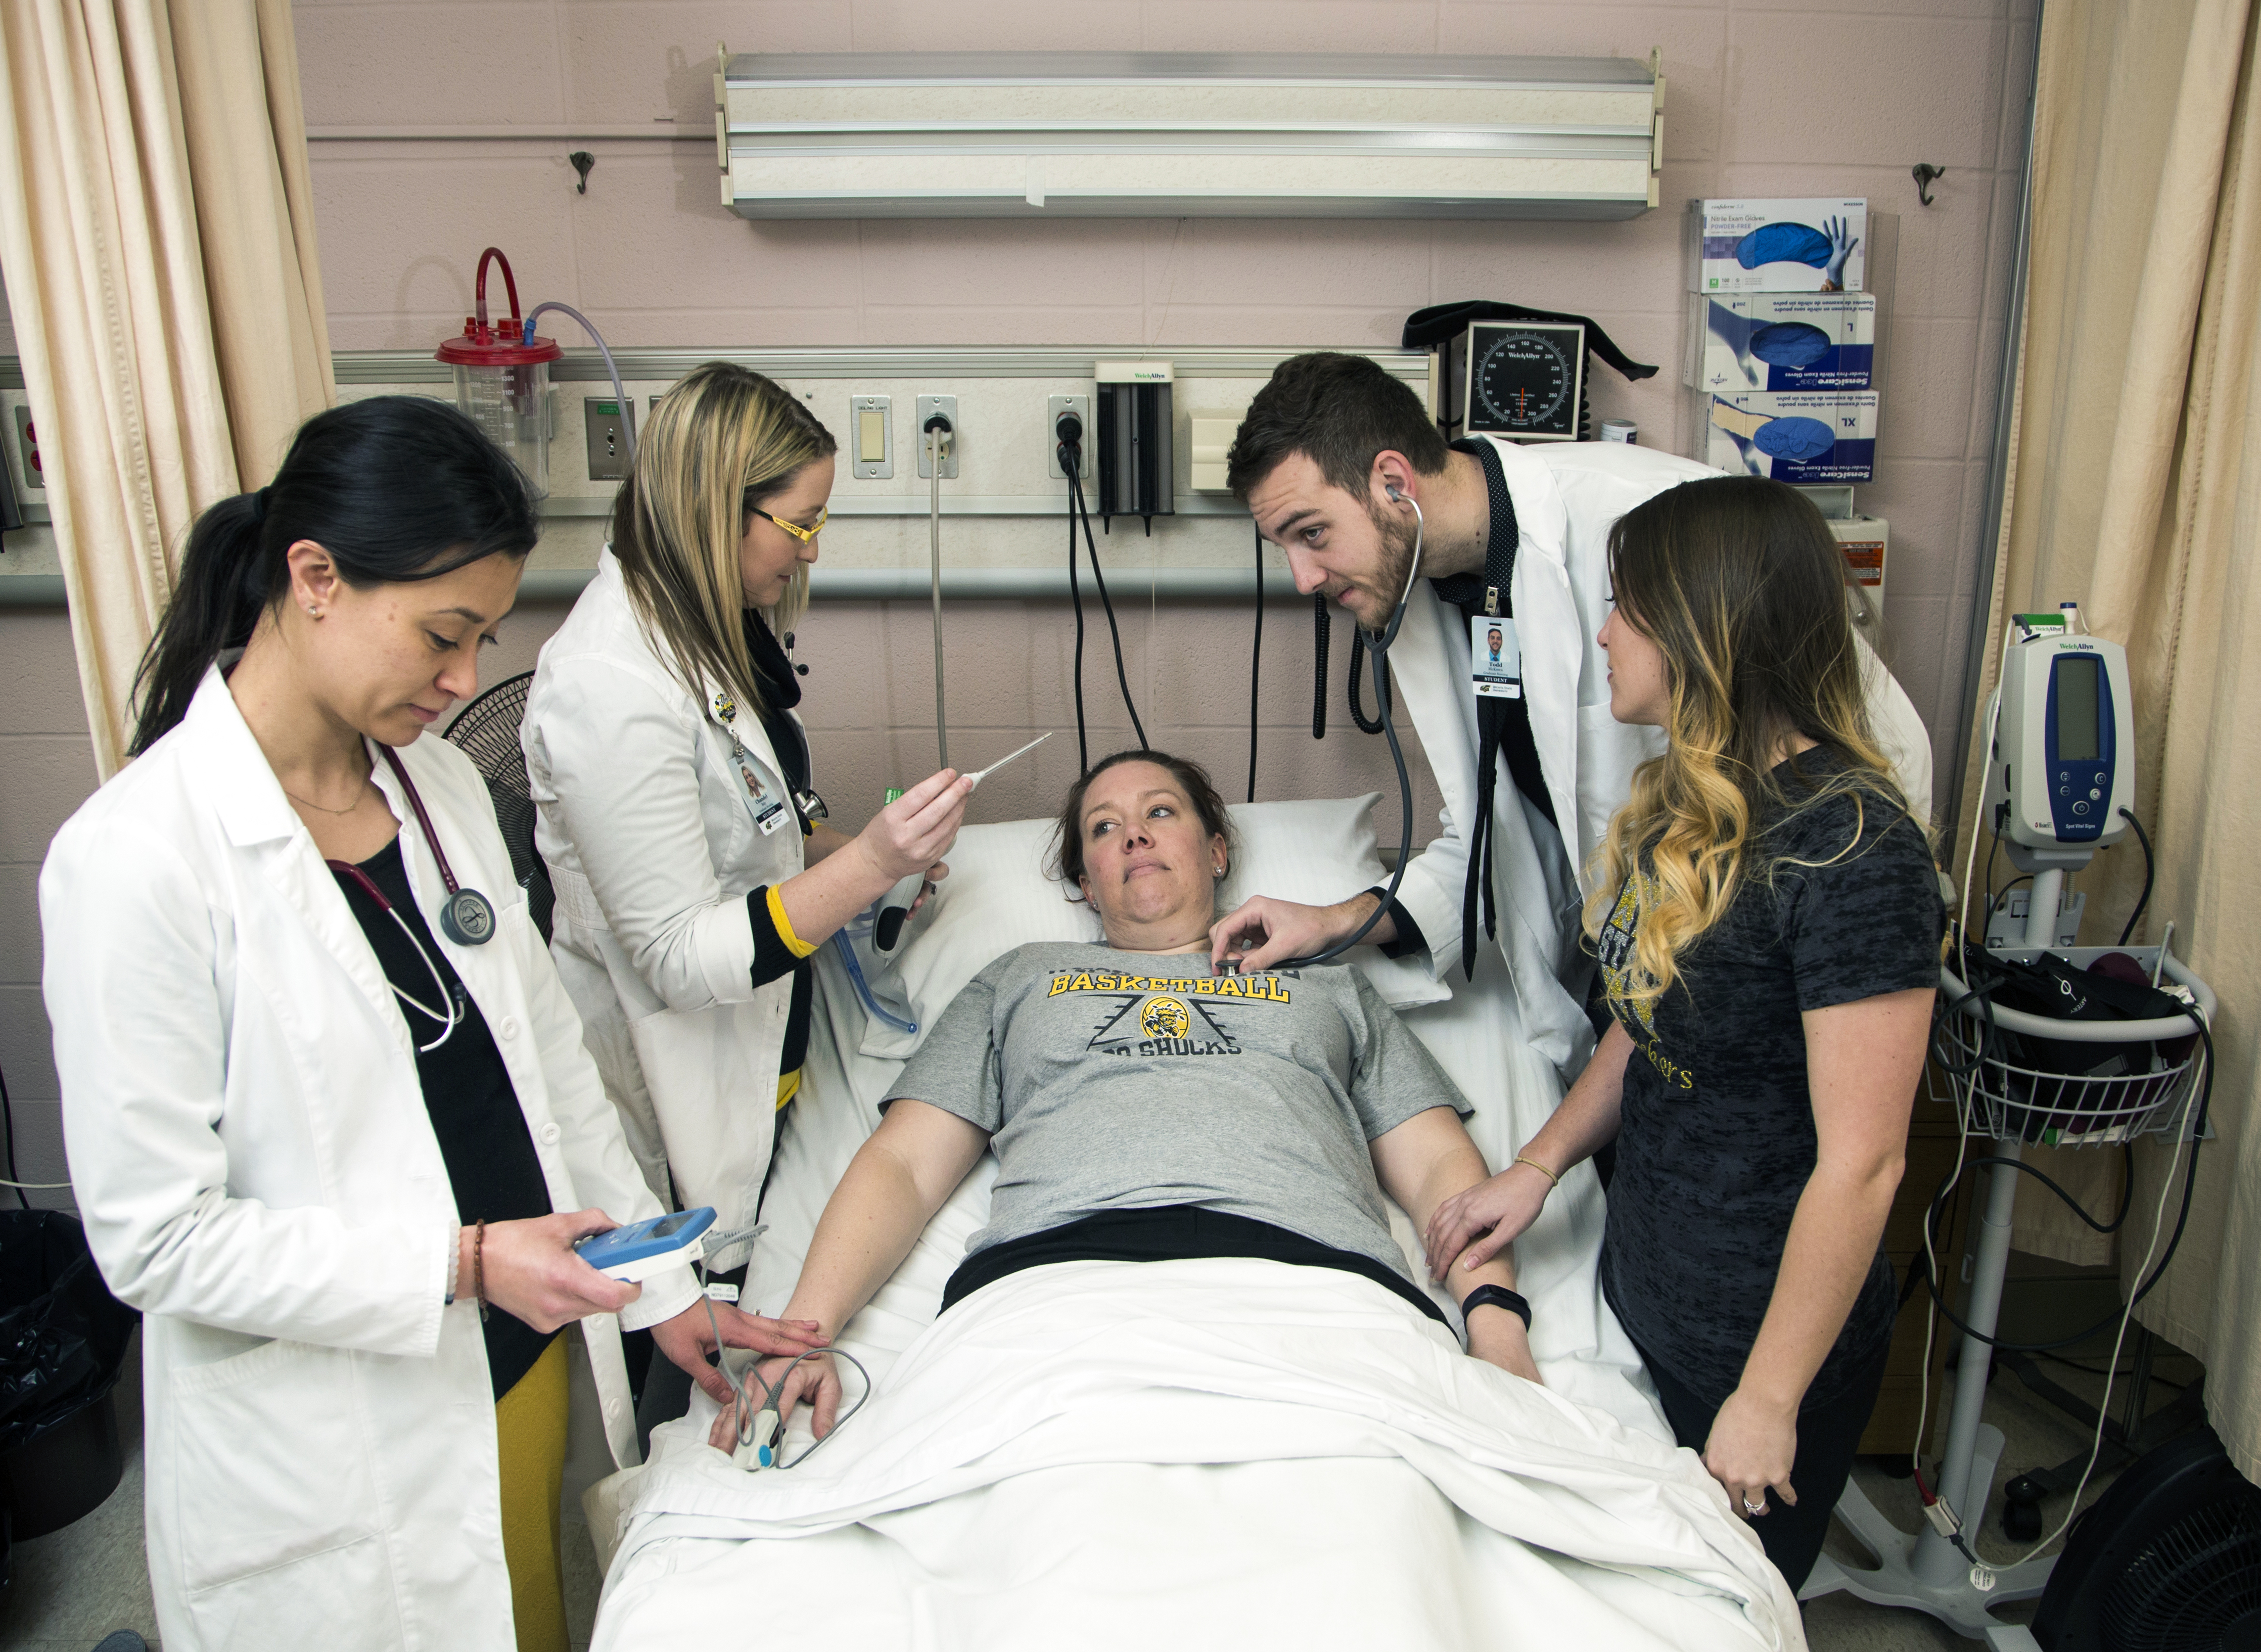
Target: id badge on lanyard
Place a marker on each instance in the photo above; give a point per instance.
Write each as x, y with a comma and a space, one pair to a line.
768, 805
1494, 659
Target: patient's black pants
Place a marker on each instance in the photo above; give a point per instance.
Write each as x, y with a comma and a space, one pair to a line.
1829, 1435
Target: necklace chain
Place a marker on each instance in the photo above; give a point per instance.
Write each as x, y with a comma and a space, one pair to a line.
324, 808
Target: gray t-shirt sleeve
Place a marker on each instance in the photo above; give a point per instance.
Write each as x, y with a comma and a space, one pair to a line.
1397, 1077
956, 1068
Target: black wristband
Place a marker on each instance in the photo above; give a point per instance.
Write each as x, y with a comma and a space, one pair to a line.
1495, 1296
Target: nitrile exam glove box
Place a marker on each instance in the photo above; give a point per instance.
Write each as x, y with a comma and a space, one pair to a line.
1745, 342
1779, 244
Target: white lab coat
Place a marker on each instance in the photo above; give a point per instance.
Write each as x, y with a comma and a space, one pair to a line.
1567, 496
653, 839
258, 1174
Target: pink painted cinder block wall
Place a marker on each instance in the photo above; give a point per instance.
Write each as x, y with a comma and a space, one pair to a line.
1765, 97
1762, 99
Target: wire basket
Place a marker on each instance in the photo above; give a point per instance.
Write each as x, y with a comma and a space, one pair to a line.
1977, 1071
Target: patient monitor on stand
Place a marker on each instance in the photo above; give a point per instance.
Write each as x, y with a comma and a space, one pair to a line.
2062, 764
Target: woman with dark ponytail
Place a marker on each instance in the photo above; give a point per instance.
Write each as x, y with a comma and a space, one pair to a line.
330, 1122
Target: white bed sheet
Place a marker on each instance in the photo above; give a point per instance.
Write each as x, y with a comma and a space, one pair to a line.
1352, 1543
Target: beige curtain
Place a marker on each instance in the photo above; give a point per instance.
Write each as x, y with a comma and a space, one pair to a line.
156, 226
2136, 490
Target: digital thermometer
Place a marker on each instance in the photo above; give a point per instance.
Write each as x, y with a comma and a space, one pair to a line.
642, 1249
896, 905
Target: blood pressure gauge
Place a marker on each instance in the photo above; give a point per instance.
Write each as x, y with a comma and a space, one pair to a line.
1525, 380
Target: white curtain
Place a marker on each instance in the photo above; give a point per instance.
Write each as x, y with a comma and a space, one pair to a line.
156, 225
2136, 490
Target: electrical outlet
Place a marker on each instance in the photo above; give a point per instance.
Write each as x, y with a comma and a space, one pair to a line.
27, 449
871, 437
927, 406
609, 427
1054, 406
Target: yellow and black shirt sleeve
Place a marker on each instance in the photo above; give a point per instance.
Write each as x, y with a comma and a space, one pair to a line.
779, 951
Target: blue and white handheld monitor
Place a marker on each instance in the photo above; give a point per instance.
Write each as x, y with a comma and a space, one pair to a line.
2062, 762
642, 1249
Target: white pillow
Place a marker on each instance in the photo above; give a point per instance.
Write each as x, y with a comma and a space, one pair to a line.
1000, 895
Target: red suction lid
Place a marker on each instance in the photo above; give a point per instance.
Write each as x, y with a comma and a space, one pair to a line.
503, 344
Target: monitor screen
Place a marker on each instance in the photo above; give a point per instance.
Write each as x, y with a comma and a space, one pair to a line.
2079, 685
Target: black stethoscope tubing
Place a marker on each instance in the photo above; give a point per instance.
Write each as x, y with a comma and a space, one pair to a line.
1377, 646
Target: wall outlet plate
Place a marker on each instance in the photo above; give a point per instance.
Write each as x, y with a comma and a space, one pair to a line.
609, 426
27, 449
871, 437
1054, 406
926, 407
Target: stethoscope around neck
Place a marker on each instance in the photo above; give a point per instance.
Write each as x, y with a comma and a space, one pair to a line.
467, 918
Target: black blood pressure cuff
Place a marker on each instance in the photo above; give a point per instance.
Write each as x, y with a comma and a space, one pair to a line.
1410, 939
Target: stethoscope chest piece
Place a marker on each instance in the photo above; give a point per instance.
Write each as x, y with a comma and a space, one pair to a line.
468, 918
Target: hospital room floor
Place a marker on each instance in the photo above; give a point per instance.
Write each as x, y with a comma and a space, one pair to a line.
72, 1587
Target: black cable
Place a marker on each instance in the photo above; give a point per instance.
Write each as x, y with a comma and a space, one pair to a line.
2001, 902
1323, 628
1255, 664
2145, 899
1071, 459
7, 1121
2098, 1370
1366, 724
1099, 579
2189, 1180
1382, 700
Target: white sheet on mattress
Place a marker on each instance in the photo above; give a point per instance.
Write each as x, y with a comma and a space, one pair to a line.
973, 1471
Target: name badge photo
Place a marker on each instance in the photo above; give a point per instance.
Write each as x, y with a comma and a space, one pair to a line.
1494, 659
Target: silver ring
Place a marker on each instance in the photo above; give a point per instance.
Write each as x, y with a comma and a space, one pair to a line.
1752, 1508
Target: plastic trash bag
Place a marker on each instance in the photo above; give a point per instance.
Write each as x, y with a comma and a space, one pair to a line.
1784, 244
62, 1334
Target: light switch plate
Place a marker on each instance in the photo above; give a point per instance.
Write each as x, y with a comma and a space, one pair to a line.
863, 468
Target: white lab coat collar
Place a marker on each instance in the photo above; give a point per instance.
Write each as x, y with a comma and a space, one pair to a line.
236, 782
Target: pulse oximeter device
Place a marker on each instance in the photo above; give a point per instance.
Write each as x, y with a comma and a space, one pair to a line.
641, 1249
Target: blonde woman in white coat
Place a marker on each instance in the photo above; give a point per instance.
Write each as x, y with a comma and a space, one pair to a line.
335, 1149
694, 874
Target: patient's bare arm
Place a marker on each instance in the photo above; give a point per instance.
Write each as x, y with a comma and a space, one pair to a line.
896, 1183
1422, 1163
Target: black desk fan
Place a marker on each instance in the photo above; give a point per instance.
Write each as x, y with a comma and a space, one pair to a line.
487, 731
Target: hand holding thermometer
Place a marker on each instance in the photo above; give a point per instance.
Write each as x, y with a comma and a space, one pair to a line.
896, 905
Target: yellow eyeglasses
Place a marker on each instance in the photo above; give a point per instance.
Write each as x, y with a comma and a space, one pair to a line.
804, 535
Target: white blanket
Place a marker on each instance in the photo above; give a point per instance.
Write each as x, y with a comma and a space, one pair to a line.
1023, 1478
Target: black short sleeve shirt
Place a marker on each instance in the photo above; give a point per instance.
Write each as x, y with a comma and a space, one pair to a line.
1716, 1140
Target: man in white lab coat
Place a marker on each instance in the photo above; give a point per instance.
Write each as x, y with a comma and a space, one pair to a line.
1344, 470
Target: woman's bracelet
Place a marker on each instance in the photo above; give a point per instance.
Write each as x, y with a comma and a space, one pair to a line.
1553, 1180
478, 1267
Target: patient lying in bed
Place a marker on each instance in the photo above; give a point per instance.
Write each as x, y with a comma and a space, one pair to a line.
1142, 1110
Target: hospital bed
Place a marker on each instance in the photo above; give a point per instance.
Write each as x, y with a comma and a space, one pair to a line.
1203, 1453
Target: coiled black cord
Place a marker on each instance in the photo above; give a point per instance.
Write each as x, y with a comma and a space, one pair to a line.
1322, 626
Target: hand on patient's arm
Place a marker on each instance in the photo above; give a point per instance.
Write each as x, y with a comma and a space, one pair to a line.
1261, 931
898, 1180
1422, 1164
1476, 1225
689, 1338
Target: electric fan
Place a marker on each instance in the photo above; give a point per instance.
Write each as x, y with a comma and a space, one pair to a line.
487, 731
2169, 1560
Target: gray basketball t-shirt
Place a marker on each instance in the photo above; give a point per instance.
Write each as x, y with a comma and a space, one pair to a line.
1124, 1081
